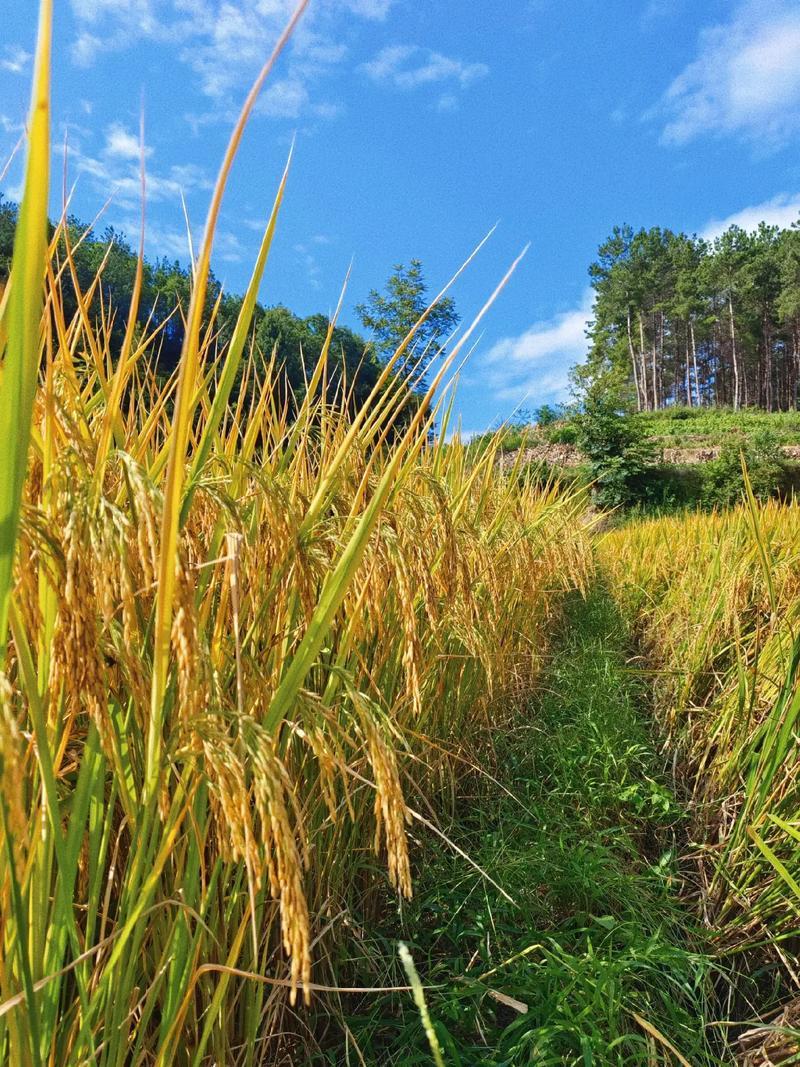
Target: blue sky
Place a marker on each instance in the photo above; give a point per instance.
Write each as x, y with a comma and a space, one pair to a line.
420, 125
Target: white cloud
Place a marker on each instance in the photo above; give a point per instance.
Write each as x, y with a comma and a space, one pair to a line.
114, 172
744, 81
535, 364
781, 210
409, 66
9, 125
225, 42
369, 9
160, 240
284, 99
140, 14
447, 102
15, 59
657, 11
86, 48
123, 144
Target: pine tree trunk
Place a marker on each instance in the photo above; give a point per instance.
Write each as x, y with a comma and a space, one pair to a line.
644, 365
734, 357
694, 364
768, 362
632, 351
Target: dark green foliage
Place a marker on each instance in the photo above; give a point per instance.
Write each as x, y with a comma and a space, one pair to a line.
563, 433
691, 322
543, 473
546, 415
587, 848
669, 488
723, 479
617, 452
8, 224
298, 343
354, 364
389, 316
625, 454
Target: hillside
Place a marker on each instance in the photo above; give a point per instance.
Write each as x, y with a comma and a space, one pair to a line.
677, 436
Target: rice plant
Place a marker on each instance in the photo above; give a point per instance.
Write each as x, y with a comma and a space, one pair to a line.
241, 649
716, 601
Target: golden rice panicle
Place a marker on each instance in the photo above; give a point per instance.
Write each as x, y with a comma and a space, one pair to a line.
274, 797
247, 779
390, 810
412, 650
387, 590
78, 668
145, 505
189, 659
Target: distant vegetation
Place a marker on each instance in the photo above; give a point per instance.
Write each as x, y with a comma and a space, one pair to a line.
684, 321
654, 461
354, 363
698, 427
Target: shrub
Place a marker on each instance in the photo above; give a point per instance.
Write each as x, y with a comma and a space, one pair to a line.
619, 456
563, 433
541, 475
723, 482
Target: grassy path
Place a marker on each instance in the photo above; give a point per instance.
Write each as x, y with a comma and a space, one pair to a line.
597, 935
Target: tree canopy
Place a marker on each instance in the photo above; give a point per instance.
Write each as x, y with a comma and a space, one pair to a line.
683, 320
389, 316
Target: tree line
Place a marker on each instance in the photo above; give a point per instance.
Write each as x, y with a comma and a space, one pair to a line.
679, 320
296, 341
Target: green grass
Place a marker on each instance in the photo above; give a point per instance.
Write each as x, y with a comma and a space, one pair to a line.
587, 848
706, 427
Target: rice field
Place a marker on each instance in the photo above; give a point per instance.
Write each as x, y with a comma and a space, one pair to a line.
242, 653
253, 657
715, 598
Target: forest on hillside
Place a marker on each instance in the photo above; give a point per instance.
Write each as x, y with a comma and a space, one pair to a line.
295, 341
680, 320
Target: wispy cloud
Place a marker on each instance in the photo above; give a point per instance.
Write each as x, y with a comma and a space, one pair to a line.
140, 14
15, 59
408, 66
744, 81
161, 240
114, 171
123, 144
306, 252
369, 9
112, 25
657, 11
86, 47
535, 364
9, 125
781, 210
224, 42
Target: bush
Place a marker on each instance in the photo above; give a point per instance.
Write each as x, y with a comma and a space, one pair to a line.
723, 482
619, 455
563, 433
542, 474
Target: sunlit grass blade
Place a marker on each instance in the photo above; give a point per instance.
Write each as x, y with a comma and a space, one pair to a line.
22, 320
